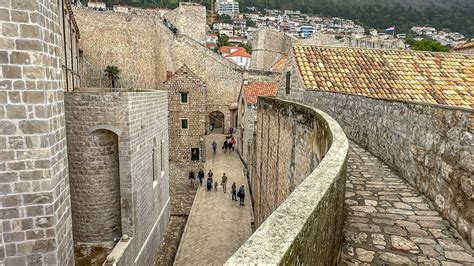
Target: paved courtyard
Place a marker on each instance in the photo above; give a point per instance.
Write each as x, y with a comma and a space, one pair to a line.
390, 222
217, 226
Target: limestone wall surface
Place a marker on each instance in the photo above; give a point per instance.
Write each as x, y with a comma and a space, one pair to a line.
268, 47
301, 172
431, 146
190, 19
144, 49
140, 122
141, 46
35, 206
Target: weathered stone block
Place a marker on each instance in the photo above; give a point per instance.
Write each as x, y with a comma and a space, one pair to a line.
16, 111
11, 72
34, 126
20, 58
29, 45
38, 198
29, 31
33, 97
19, 16
9, 30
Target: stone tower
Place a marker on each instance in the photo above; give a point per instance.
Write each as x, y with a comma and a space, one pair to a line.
35, 202
213, 14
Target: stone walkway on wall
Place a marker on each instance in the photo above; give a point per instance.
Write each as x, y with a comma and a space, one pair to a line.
388, 221
217, 226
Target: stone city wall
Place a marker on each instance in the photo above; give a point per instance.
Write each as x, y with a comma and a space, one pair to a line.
190, 19
301, 174
35, 208
138, 121
268, 47
140, 46
144, 49
431, 146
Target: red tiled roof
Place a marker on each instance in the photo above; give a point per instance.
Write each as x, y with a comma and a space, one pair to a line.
239, 53
438, 78
226, 49
254, 89
469, 44
280, 64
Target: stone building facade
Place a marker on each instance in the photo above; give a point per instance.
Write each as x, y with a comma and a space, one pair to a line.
247, 120
70, 47
118, 158
187, 97
35, 208
427, 140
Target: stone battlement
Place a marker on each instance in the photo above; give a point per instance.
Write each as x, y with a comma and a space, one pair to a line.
301, 163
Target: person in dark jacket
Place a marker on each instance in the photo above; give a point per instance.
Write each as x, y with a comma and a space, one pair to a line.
192, 177
234, 192
241, 195
200, 176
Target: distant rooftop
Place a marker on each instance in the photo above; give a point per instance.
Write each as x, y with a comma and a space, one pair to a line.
437, 78
254, 89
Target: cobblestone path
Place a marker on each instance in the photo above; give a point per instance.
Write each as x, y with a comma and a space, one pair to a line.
388, 221
216, 226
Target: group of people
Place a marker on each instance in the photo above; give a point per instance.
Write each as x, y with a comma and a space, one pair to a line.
228, 145
210, 184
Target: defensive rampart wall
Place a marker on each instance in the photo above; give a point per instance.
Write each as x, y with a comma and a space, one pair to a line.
299, 187
431, 146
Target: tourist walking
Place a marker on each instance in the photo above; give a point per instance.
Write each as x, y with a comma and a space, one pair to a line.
210, 174
225, 146
209, 183
229, 144
234, 191
214, 146
192, 177
224, 183
200, 176
233, 142
241, 195
216, 184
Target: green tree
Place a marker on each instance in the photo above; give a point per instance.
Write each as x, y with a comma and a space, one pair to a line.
112, 73
222, 40
430, 45
248, 47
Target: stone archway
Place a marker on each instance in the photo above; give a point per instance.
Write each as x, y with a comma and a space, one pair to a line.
216, 122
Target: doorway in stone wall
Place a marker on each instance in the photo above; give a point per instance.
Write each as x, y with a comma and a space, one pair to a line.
216, 122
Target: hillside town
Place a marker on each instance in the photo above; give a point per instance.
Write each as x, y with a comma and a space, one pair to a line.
222, 134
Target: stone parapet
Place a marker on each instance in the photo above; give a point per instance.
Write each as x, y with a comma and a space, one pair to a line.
430, 145
300, 185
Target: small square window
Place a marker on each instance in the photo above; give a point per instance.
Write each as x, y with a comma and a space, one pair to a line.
184, 97
184, 123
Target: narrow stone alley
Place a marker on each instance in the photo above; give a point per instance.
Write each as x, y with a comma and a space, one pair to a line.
217, 226
389, 221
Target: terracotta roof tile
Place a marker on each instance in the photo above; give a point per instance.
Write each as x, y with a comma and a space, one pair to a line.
280, 64
469, 44
254, 89
240, 52
439, 78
